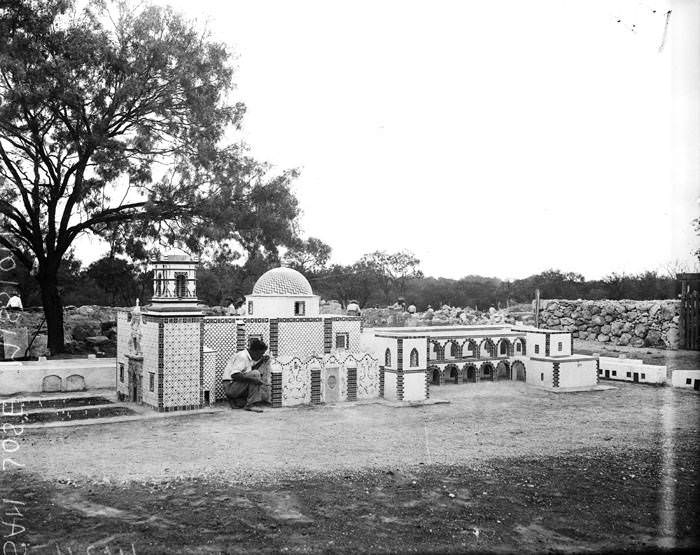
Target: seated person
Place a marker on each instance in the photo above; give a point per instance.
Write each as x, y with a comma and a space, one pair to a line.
246, 388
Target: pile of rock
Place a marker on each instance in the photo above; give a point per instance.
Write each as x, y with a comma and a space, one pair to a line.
635, 323
443, 316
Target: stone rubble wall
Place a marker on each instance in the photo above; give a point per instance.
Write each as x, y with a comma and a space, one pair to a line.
634, 323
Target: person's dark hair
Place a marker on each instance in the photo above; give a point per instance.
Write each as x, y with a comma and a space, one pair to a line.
257, 345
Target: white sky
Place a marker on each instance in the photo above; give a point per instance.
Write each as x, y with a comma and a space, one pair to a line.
495, 137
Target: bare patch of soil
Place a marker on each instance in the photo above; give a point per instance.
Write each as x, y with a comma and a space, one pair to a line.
585, 501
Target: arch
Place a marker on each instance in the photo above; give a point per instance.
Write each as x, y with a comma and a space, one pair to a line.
469, 372
486, 371
502, 370
435, 350
487, 349
75, 382
435, 375
452, 370
470, 346
519, 346
52, 383
387, 358
413, 358
503, 348
518, 370
454, 349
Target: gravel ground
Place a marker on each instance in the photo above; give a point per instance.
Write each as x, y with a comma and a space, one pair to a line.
502, 467
482, 421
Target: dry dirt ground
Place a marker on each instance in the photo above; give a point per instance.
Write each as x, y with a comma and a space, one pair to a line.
502, 467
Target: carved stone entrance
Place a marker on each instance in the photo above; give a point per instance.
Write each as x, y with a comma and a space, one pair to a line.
135, 372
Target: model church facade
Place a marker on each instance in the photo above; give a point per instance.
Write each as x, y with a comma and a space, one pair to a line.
171, 356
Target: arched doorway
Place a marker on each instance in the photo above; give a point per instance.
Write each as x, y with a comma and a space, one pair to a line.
486, 371
502, 371
519, 370
470, 374
436, 376
454, 374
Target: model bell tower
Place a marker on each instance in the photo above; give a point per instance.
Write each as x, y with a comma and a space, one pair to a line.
174, 284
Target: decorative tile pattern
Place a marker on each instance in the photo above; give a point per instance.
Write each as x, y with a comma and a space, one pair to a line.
555, 374
181, 364
282, 281
352, 384
351, 328
315, 386
381, 381
221, 336
301, 338
547, 345
209, 375
274, 337
327, 335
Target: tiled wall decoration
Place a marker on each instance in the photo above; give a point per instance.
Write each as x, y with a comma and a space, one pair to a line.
352, 328
181, 364
220, 335
302, 338
210, 382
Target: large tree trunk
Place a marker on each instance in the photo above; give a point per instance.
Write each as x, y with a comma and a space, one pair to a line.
53, 310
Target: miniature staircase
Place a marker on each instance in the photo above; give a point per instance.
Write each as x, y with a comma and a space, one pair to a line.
60, 408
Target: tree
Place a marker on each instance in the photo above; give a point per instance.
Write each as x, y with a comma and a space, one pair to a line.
393, 271
309, 257
93, 105
118, 278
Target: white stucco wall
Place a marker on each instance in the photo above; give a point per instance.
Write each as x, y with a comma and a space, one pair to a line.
27, 376
577, 373
420, 345
390, 386
413, 386
281, 306
555, 339
679, 378
624, 370
534, 339
535, 369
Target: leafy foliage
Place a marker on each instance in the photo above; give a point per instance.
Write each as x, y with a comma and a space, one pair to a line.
111, 122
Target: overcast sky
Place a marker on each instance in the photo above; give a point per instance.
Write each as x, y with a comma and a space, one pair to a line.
496, 137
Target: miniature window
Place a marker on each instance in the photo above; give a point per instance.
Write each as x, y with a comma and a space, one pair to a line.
121, 371
542, 376
342, 341
504, 348
487, 370
688, 381
629, 374
614, 372
560, 346
518, 347
299, 308
644, 377
537, 349
414, 357
151, 381
180, 284
454, 350
387, 357
250, 308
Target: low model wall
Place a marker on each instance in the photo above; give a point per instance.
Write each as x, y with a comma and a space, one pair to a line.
57, 375
634, 323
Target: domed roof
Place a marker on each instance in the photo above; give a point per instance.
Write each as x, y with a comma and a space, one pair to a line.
282, 281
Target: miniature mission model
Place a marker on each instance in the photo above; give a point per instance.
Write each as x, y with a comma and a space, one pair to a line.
172, 357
